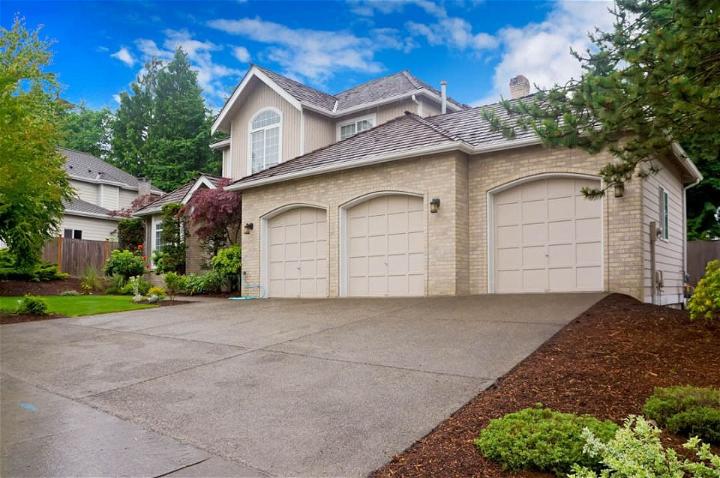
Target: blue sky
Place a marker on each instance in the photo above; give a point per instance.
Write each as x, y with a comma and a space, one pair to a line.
476, 46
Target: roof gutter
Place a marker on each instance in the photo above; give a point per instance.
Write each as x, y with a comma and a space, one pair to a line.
687, 163
335, 113
93, 215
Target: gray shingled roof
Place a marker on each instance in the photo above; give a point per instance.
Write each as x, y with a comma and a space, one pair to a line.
86, 166
175, 196
374, 90
398, 135
463, 128
77, 205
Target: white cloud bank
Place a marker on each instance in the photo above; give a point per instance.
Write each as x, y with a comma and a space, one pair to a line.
541, 51
124, 55
242, 54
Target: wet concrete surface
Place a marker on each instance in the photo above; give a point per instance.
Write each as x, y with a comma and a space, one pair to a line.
257, 388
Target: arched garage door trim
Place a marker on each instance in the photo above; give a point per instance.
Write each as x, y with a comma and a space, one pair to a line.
343, 231
265, 238
490, 213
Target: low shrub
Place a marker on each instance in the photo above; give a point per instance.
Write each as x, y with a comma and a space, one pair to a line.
136, 286
694, 411
156, 291
125, 263
636, 451
227, 263
41, 271
116, 284
705, 301
91, 281
32, 305
541, 439
174, 284
208, 283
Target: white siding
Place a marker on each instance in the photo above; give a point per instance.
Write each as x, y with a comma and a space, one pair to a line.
226, 163
429, 108
668, 253
93, 229
126, 198
88, 192
109, 197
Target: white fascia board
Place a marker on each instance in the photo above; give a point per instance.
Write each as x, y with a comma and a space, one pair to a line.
149, 212
687, 163
102, 181
335, 113
370, 160
225, 143
202, 180
253, 73
93, 215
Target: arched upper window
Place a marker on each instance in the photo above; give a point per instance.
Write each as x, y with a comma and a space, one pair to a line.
264, 139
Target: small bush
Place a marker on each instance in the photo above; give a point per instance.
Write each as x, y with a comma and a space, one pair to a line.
705, 301
541, 439
41, 271
125, 263
687, 410
116, 285
156, 291
636, 451
131, 233
70, 293
32, 305
174, 284
208, 283
91, 281
136, 286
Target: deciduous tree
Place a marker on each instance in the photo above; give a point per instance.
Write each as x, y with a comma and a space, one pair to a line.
216, 216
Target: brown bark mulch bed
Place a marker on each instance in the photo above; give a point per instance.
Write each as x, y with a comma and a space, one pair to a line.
53, 287
605, 363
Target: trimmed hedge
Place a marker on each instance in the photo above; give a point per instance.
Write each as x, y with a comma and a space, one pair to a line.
691, 411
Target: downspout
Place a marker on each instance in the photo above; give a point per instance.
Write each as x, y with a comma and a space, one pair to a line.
653, 280
419, 109
684, 249
443, 96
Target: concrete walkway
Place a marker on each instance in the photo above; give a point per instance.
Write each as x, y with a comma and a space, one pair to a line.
255, 388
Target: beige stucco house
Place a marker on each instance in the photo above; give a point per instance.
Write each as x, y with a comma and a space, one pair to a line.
101, 190
391, 189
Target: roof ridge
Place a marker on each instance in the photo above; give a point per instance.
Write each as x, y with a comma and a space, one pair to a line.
411, 78
433, 126
266, 70
368, 82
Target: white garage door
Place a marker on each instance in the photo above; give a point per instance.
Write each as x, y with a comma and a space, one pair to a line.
547, 237
297, 256
386, 247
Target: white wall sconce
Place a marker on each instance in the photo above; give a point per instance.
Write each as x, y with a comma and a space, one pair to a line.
619, 190
248, 228
434, 205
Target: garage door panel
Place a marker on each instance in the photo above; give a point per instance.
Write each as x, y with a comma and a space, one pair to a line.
534, 233
560, 237
561, 208
297, 255
393, 235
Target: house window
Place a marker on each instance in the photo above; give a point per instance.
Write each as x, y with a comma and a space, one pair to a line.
158, 234
350, 128
664, 214
265, 143
72, 234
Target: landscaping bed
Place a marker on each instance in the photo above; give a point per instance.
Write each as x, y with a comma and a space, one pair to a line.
22, 287
605, 363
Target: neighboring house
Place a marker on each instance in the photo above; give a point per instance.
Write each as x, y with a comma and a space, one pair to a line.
101, 189
196, 258
350, 195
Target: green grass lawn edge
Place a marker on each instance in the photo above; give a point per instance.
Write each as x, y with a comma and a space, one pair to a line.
79, 305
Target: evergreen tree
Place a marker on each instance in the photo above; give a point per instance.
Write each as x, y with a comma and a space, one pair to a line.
162, 129
84, 129
652, 80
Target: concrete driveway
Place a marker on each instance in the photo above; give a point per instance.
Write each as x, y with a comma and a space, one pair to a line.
255, 388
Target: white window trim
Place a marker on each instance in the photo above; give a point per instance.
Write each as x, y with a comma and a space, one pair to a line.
250, 131
155, 221
664, 213
371, 118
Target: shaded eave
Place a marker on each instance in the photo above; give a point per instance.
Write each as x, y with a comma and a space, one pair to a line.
153, 208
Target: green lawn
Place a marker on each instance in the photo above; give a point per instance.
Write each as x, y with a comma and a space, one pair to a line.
74, 306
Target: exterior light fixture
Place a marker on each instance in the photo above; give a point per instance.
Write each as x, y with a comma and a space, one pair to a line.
248, 227
619, 190
434, 205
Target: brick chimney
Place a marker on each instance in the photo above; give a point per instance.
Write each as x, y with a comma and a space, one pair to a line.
519, 87
144, 186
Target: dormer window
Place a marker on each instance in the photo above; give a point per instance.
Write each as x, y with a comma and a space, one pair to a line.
265, 139
348, 128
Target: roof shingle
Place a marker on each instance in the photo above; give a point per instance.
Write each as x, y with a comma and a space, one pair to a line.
88, 167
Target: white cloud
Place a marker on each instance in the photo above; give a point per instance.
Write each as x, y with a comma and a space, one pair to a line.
304, 53
541, 51
242, 54
209, 73
367, 8
453, 32
116, 98
124, 55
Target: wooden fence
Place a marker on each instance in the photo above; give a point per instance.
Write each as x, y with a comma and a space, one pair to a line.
74, 256
699, 253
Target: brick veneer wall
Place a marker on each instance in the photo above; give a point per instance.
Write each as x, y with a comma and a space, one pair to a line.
456, 247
